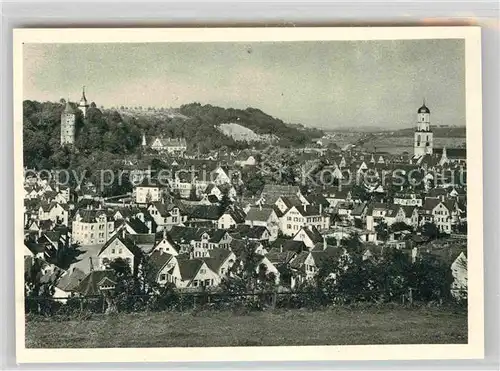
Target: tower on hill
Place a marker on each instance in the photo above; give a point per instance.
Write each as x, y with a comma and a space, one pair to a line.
68, 121
423, 140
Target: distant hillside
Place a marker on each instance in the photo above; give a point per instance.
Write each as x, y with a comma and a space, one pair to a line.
452, 131
254, 119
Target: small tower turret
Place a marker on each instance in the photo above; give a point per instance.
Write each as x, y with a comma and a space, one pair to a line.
83, 105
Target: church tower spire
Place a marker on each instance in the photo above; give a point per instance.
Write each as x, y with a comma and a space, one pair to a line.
423, 139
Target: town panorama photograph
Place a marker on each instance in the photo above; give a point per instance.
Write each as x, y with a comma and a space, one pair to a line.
232, 194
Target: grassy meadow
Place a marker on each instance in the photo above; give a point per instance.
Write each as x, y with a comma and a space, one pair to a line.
334, 326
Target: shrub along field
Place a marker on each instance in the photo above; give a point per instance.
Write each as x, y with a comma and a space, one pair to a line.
359, 325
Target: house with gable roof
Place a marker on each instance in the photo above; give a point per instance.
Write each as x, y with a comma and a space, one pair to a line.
298, 216
264, 217
94, 283
167, 214
243, 246
394, 214
208, 239
121, 247
193, 274
411, 215
220, 261
305, 266
149, 190
271, 192
232, 217
166, 245
57, 213
309, 235
68, 283
255, 233
161, 264
173, 146
336, 194
204, 215
442, 213
131, 226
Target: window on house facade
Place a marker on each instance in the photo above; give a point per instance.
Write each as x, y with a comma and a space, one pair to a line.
195, 283
163, 277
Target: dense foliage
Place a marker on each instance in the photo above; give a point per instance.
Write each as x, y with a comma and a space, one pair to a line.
114, 133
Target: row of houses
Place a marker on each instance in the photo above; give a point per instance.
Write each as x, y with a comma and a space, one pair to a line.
196, 259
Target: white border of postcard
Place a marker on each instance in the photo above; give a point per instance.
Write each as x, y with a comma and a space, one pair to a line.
475, 347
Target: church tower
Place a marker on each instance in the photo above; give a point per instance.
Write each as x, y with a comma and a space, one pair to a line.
423, 140
83, 105
68, 119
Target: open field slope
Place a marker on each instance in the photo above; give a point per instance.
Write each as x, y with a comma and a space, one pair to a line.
338, 326
242, 134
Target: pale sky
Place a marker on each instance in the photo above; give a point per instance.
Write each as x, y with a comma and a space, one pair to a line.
326, 84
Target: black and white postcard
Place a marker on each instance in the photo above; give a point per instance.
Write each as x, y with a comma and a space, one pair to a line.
248, 194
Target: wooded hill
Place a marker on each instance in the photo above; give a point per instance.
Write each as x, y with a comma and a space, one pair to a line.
109, 131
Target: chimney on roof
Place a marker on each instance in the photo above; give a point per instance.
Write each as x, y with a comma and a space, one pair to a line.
91, 264
305, 206
320, 208
124, 231
260, 206
325, 245
281, 248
